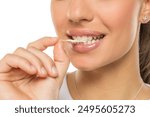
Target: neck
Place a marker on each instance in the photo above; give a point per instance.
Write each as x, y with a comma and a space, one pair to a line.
119, 80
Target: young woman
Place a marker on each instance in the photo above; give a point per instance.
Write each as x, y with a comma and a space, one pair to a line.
108, 41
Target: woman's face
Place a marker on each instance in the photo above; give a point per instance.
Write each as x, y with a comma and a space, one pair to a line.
88, 20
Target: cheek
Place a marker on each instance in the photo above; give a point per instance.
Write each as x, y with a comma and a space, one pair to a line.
121, 16
121, 19
119, 12
58, 12
122, 25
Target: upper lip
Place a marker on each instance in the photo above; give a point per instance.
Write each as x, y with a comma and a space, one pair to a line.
83, 32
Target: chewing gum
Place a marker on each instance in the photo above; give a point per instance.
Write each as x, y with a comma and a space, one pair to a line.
74, 41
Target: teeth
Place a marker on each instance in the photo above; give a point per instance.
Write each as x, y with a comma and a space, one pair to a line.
85, 39
89, 38
93, 41
95, 38
89, 42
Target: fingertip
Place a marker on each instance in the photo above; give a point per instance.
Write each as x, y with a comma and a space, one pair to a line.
42, 73
54, 71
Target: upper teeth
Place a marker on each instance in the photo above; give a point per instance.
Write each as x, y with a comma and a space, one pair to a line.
82, 39
87, 39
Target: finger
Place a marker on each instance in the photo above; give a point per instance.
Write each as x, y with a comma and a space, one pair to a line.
13, 61
34, 60
61, 60
46, 61
43, 43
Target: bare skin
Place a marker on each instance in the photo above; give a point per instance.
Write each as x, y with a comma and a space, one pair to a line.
108, 72
27, 73
110, 82
112, 70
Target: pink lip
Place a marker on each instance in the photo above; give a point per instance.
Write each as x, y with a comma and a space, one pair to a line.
81, 48
83, 32
84, 48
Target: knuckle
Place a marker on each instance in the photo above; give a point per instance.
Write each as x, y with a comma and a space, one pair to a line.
25, 61
46, 37
7, 56
30, 45
50, 60
19, 49
31, 48
5, 59
36, 60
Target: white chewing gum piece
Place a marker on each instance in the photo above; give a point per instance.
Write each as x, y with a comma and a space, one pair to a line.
73, 41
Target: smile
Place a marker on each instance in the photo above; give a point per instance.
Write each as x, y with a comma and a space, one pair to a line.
84, 40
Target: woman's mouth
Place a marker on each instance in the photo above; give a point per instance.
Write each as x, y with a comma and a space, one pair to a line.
85, 41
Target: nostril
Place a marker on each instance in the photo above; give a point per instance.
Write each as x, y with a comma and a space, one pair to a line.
78, 20
78, 12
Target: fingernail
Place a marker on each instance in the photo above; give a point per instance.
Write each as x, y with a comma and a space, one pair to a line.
43, 71
54, 70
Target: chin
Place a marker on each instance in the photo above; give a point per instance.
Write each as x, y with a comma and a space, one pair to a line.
86, 66
90, 64
83, 68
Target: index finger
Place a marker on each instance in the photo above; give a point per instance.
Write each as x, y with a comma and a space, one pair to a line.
43, 43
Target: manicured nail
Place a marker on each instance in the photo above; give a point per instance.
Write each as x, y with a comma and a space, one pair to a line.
54, 70
43, 71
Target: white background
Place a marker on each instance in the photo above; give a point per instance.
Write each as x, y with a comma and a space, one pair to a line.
23, 21
7, 108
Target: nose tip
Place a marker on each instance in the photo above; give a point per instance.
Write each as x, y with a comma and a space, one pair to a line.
78, 12
76, 18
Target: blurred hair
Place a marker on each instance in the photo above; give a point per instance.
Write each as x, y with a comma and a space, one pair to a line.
144, 52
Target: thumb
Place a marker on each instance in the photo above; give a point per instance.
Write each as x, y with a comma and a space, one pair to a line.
61, 60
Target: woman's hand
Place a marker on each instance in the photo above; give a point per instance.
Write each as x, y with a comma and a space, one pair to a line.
32, 74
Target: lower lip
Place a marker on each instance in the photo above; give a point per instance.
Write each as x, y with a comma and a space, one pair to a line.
84, 48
